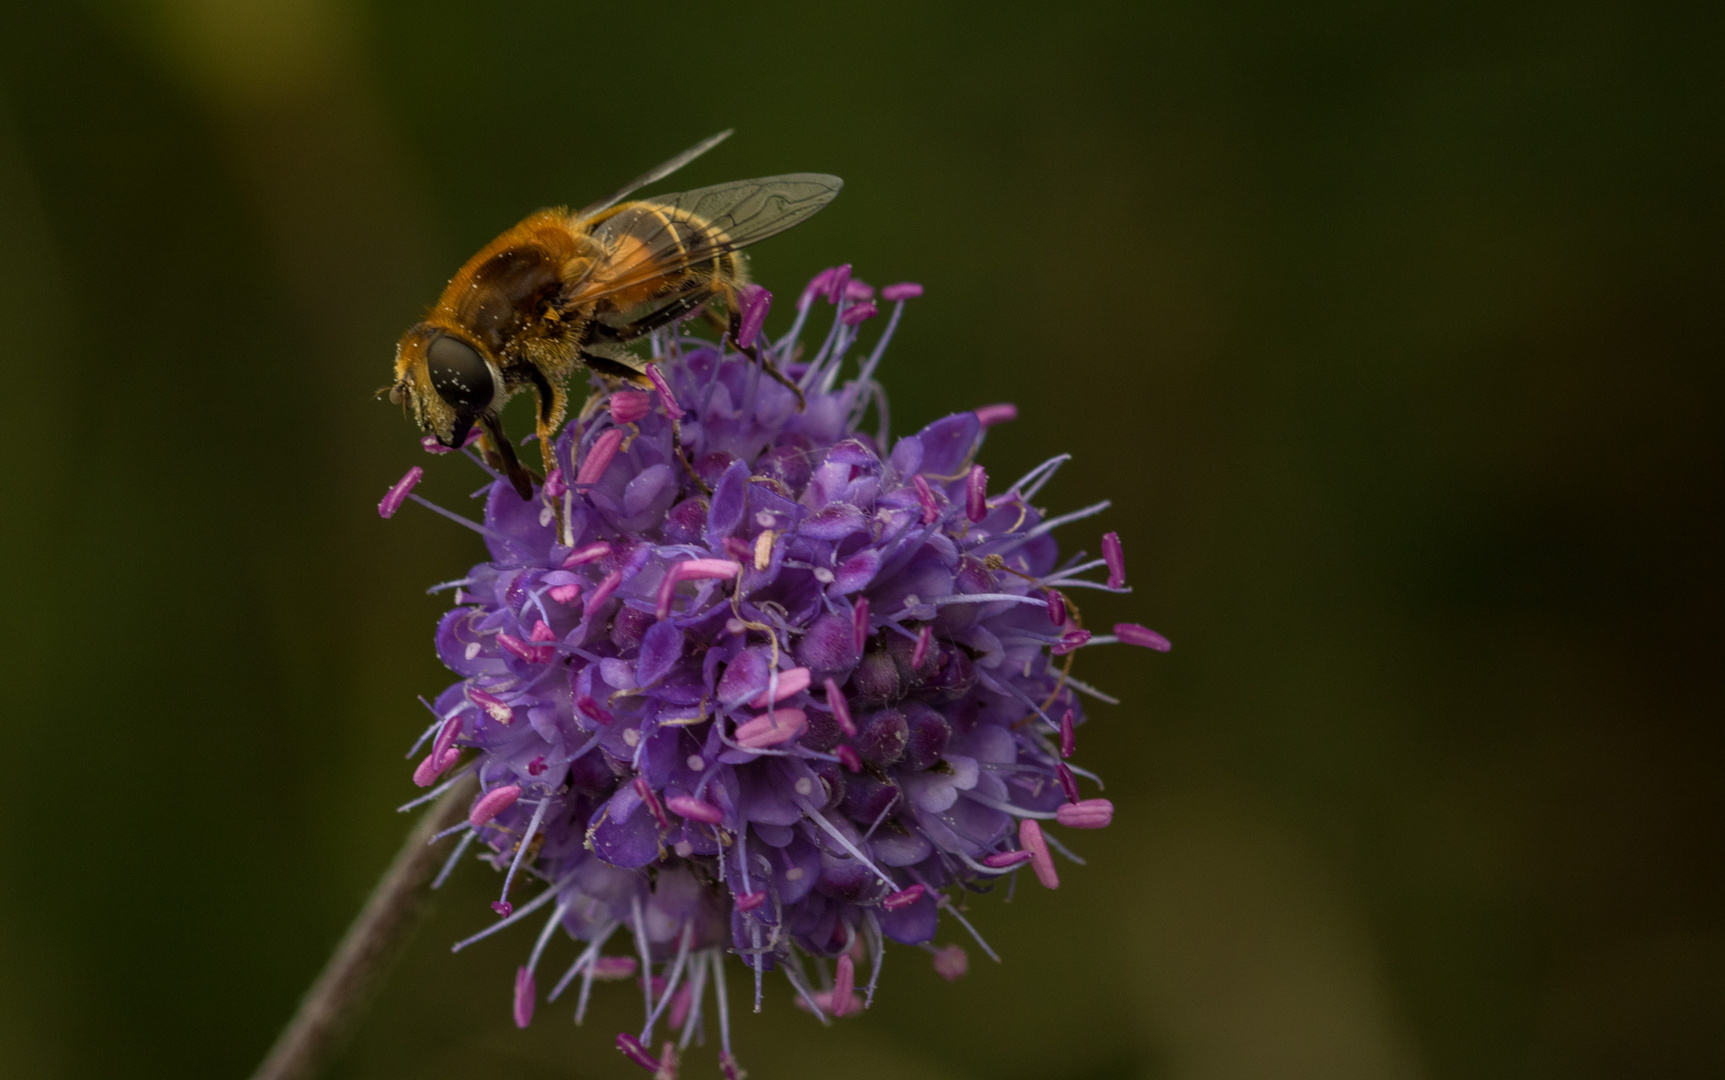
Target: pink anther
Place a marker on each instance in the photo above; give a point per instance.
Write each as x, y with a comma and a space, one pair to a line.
1068, 782
1072, 639
592, 709
1056, 608
591, 553
494, 706
844, 985
837, 284
840, 708
680, 1003
904, 897
525, 992
920, 652
1041, 863
696, 569
1089, 814
858, 313
951, 963
434, 766
628, 406
528, 650
990, 415
1115, 557
665, 394
613, 968
824, 1001
567, 595
604, 590
555, 488
492, 803
817, 286
651, 798
599, 457
904, 290
695, 809
976, 494
925, 496
1133, 634
755, 302
849, 758
693, 570
542, 632
771, 729
859, 621
749, 901
446, 736
1068, 735
634, 1051
397, 494
1000, 860
794, 681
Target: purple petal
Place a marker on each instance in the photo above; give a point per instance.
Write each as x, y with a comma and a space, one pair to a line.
907, 456
947, 443
829, 645
744, 677
833, 522
730, 501
857, 572
656, 485
630, 843
911, 925
899, 849
661, 648
763, 800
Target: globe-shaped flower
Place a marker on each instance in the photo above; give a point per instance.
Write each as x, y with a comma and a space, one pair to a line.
743, 679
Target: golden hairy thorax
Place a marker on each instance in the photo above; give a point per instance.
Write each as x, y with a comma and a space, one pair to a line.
562, 289
516, 280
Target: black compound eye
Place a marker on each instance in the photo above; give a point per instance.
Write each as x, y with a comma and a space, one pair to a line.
460, 376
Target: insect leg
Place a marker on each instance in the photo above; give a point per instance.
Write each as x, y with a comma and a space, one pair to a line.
688, 466
548, 451
732, 325
553, 401
500, 454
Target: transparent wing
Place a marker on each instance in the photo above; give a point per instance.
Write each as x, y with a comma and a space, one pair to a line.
656, 174
657, 237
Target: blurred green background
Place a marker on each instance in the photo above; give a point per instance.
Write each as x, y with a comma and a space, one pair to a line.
1394, 332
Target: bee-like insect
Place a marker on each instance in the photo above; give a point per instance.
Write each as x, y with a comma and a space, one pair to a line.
562, 289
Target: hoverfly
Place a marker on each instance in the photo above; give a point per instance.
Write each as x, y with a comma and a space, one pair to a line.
562, 289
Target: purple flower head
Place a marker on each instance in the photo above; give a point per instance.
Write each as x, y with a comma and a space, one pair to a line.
762, 684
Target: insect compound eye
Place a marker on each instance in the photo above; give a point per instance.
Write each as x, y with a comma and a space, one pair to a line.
460, 376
